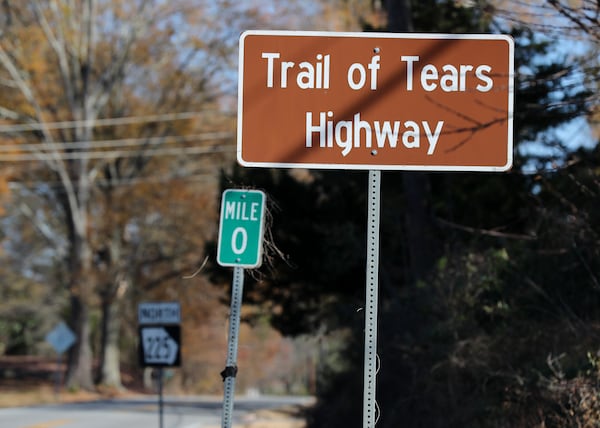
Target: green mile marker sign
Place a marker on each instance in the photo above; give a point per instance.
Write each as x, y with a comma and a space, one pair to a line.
241, 228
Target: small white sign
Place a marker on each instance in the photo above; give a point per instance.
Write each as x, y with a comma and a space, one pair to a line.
159, 313
159, 347
61, 338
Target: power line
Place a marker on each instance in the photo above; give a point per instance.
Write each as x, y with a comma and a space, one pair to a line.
111, 154
196, 177
127, 120
122, 142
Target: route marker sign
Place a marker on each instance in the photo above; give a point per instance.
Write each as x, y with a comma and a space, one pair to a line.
159, 334
438, 102
161, 345
241, 228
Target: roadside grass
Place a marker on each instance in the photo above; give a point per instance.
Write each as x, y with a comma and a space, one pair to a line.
30, 381
30, 395
11, 397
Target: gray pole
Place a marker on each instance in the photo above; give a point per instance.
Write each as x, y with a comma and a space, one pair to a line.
230, 371
160, 398
58, 375
372, 287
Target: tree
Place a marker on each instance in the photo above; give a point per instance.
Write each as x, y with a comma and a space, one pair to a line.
65, 67
117, 114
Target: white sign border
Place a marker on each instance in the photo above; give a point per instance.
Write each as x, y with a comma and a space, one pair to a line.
261, 230
433, 36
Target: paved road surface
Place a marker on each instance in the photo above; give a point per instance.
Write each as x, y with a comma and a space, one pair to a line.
187, 412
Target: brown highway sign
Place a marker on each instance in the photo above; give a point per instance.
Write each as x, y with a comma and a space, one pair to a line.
438, 102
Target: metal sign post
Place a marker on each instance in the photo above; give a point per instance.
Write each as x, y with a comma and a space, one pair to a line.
372, 285
160, 398
231, 364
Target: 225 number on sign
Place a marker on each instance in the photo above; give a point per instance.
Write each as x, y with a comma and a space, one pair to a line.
160, 346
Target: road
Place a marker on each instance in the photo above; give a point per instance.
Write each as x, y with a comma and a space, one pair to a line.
142, 412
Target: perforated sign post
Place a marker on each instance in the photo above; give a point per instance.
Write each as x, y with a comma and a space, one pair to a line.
375, 101
240, 243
